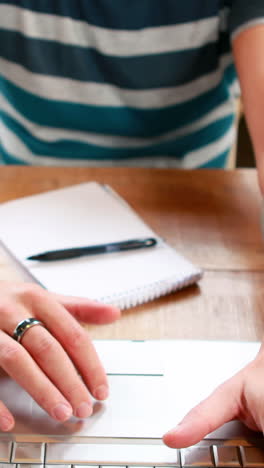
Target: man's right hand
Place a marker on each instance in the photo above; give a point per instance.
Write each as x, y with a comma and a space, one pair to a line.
56, 364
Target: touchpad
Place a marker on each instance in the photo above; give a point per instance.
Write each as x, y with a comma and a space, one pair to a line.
131, 357
134, 408
137, 388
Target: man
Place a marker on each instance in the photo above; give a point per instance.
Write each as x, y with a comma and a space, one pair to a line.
138, 83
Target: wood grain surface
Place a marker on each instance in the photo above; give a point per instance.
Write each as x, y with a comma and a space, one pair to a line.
210, 216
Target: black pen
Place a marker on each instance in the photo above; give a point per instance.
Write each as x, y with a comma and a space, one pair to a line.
65, 254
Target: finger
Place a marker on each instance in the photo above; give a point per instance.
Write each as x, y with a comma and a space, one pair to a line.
49, 354
220, 407
6, 419
73, 338
87, 311
16, 361
55, 363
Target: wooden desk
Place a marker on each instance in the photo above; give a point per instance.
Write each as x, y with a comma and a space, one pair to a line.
211, 216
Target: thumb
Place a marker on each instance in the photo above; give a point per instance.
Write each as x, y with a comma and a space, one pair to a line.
220, 407
88, 311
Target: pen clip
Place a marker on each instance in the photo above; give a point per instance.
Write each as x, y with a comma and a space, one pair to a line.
135, 244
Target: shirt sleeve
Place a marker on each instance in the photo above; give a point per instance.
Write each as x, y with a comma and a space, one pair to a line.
245, 14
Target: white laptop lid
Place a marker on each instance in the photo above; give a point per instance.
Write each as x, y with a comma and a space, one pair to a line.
152, 386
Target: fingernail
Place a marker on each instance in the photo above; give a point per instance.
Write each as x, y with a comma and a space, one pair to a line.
173, 431
6, 424
101, 393
84, 410
62, 412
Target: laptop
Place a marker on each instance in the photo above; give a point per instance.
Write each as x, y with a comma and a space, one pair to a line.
152, 386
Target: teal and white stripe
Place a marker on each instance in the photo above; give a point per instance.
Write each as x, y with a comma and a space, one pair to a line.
153, 40
52, 134
13, 146
86, 90
66, 90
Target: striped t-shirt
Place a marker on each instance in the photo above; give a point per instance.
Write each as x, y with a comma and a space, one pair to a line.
119, 82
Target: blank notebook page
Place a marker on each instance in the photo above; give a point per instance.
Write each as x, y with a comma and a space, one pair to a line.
89, 214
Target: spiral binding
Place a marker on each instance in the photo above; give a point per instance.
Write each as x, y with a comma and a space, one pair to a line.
140, 295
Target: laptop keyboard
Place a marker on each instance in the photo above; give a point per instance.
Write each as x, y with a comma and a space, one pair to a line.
116, 455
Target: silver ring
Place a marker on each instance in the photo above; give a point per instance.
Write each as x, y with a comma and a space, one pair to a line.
23, 326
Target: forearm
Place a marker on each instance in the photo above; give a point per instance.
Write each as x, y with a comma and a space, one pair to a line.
248, 49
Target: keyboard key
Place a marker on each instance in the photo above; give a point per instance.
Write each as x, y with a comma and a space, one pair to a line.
8, 465
28, 465
84, 466
116, 466
5, 451
171, 466
114, 454
226, 456
61, 466
252, 457
27, 452
196, 456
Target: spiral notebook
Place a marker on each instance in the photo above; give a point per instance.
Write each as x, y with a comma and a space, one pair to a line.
88, 214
